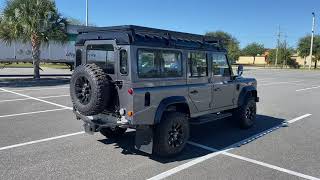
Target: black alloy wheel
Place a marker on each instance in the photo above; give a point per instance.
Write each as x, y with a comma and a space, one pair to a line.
245, 115
175, 135
171, 134
83, 90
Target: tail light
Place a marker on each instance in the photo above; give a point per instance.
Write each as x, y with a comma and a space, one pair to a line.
130, 113
130, 91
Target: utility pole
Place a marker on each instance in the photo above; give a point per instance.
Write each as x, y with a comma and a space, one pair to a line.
285, 51
87, 11
312, 34
278, 42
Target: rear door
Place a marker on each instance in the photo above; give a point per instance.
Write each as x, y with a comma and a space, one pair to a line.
104, 54
198, 81
223, 86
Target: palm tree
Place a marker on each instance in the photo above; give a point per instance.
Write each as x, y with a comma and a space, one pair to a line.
35, 21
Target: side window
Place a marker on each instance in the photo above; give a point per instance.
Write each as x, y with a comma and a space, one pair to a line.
102, 55
123, 62
148, 67
158, 64
220, 65
78, 57
172, 64
198, 64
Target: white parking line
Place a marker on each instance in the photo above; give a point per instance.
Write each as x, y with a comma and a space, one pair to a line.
315, 87
41, 140
265, 79
23, 99
208, 156
276, 83
184, 166
294, 173
48, 97
216, 152
256, 162
34, 112
38, 89
48, 102
299, 118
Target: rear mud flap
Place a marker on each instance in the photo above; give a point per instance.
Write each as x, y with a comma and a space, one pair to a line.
144, 139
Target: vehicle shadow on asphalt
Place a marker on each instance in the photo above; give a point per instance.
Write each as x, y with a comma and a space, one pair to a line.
217, 134
126, 143
29, 82
224, 133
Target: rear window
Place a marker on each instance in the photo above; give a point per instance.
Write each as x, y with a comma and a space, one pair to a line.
103, 55
159, 63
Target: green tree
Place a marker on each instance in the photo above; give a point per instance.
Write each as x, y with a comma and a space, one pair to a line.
74, 21
253, 49
35, 21
78, 22
229, 42
304, 48
284, 55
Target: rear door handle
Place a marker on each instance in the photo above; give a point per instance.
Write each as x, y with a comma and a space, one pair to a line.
217, 89
194, 92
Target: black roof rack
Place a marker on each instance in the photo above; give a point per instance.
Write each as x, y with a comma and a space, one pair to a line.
131, 34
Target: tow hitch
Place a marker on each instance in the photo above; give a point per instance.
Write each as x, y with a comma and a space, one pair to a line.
90, 128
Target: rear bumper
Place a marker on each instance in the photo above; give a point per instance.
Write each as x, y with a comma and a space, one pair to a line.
144, 133
96, 122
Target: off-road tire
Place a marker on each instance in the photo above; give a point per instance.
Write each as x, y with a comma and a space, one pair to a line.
113, 132
101, 89
245, 115
162, 137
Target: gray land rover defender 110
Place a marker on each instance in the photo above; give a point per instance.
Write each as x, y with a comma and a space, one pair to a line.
157, 82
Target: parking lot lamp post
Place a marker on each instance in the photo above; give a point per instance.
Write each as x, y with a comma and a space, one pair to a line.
87, 11
311, 45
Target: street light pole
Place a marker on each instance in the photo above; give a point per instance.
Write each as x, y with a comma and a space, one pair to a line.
278, 43
87, 11
312, 34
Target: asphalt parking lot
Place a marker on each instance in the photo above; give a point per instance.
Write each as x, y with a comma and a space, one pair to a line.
41, 139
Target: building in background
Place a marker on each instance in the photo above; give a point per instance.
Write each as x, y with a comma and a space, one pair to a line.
248, 60
302, 61
263, 60
258, 60
50, 52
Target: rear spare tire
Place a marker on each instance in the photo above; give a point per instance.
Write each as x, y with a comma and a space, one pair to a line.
90, 89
